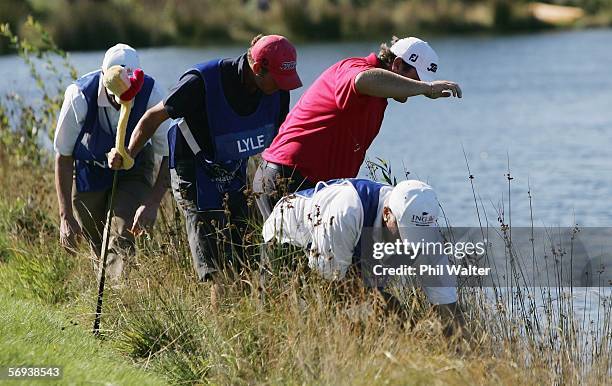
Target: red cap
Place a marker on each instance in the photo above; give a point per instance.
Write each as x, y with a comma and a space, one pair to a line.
278, 55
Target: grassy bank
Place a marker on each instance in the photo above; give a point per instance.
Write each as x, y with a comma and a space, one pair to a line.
32, 334
87, 25
293, 329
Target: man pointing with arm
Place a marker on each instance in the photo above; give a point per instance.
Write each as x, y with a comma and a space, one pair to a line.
327, 133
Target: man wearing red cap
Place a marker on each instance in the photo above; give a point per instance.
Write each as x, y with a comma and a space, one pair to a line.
226, 110
328, 131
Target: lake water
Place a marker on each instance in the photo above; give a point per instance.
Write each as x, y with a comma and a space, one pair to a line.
544, 101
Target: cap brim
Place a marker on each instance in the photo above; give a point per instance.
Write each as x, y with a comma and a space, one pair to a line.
287, 82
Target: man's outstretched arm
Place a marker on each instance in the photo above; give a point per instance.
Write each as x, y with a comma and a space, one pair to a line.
382, 83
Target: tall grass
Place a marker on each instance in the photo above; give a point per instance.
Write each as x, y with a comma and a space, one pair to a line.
281, 324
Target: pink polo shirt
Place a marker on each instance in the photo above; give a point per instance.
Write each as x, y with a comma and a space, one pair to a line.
327, 133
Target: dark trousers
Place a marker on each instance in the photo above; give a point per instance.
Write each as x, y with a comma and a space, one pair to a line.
215, 236
272, 182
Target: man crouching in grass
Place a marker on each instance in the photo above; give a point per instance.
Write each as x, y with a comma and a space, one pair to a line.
330, 220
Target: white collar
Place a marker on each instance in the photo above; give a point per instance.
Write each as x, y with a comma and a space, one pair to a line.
102, 98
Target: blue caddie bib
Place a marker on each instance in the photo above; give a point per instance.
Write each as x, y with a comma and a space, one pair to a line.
234, 137
92, 173
369, 193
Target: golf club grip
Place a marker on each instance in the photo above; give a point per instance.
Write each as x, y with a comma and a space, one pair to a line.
124, 115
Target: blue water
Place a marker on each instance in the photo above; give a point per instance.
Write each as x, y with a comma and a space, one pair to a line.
541, 101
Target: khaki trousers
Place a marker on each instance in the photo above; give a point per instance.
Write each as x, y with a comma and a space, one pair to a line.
133, 188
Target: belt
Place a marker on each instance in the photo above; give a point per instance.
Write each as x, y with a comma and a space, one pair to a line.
285, 170
274, 166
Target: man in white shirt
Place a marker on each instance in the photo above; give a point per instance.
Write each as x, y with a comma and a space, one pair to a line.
85, 132
330, 220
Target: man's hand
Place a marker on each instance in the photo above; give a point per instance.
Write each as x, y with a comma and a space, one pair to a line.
443, 89
452, 319
70, 232
115, 160
144, 218
147, 213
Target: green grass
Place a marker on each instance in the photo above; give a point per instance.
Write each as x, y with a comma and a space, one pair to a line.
39, 326
162, 319
293, 328
37, 335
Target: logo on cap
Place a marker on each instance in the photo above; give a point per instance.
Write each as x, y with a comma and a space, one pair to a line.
432, 67
288, 66
424, 220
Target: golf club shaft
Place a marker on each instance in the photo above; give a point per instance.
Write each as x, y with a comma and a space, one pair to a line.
104, 254
110, 79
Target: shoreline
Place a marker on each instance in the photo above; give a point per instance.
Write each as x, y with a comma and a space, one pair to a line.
374, 40
196, 24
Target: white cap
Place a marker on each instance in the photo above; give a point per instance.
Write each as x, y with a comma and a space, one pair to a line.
418, 54
415, 207
121, 55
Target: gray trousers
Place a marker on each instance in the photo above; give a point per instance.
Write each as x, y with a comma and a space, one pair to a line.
272, 182
215, 236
